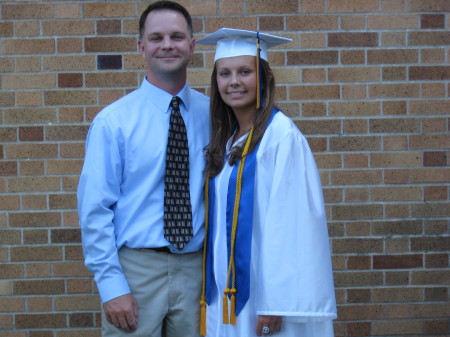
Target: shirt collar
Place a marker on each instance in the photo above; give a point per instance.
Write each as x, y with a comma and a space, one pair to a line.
164, 97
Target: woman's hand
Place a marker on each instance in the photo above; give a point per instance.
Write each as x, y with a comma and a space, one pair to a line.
271, 322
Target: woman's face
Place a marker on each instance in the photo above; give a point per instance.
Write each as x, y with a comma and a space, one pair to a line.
236, 81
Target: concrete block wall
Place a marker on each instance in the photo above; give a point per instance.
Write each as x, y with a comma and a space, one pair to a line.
367, 81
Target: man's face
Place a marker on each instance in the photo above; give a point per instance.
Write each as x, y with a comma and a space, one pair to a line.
166, 43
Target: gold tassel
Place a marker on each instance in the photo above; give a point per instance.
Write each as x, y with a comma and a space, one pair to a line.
226, 320
203, 317
233, 307
258, 98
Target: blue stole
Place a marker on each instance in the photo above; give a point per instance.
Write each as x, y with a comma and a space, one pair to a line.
243, 244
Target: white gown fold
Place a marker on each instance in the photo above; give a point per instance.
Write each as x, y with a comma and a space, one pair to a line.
291, 273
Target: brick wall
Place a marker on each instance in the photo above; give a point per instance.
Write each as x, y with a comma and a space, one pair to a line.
367, 81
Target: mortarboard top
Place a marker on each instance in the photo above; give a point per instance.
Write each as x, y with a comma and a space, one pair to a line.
237, 42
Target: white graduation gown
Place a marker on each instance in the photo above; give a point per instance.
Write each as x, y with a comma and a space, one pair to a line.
291, 273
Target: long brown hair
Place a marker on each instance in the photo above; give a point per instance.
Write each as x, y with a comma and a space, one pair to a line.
223, 122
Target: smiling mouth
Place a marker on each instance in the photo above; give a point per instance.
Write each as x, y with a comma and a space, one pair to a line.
236, 93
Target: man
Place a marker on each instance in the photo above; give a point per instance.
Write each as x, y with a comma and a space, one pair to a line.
142, 268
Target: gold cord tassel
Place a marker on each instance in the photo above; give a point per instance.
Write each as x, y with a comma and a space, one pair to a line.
205, 241
202, 317
258, 98
233, 307
226, 319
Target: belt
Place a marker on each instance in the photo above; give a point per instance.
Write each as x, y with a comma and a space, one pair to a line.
164, 249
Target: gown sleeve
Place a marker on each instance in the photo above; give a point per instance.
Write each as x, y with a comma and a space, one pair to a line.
294, 272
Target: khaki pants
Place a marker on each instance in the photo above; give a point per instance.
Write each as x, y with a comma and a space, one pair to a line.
167, 289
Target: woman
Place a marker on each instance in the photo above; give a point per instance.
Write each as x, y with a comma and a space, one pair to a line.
266, 246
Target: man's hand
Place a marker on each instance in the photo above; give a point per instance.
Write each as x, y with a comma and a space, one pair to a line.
122, 312
272, 322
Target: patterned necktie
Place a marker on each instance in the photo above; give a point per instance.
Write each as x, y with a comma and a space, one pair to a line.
177, 203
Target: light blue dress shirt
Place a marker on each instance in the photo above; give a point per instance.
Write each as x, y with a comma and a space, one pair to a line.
121, 188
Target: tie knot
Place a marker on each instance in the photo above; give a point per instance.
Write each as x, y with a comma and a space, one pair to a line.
175, 102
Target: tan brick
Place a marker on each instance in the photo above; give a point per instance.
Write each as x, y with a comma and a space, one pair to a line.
28, 151
355, 126
58, 133
312, 22
432, 90
428, 38
230, 7
36, 321
429, 73
397, 327
352, 56
440, 141
392, 56
355, 212
36, 184
26, 11
396, 244
430, 243
79, 286
392, 39
68, 269
39, 270
354, 91
314, 92
352, 177
33, 46
113, 79
358, 329
264, 7
393, 5
393, 21
135, 61
430, 175
107, 10
395, 143
68, 27
436, 294
35, 236
394, 125
11, 271
39, 304
436, 260
38, 219
39, 287
327, 160
34, 202
35, 253
312, 57
28, 98
10, 305
398, 295
28, 64
431, 210
318, 126
356, 194
352, 39
29, 115
27, 28
69, 45
70, 97
73, 252
9, 236
313, 40
394, 74
354, 279
429, 6
6, 29
72, 150
431, 309
352, 6
63, 167
425, 107
394, 107
312, 6
394, 90
62, 201
356, 160
349, 245
358, 263
66, 63
396, 159
214, 23
432, 55
25, 81
354, 108
354, 74
435, 193
77, 302
67, 10
397, 278
31, 167
356, 143
353, 22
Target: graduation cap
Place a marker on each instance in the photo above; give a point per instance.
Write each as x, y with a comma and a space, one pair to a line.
238, 42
